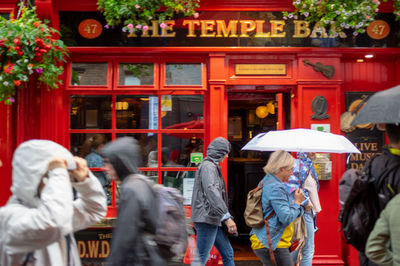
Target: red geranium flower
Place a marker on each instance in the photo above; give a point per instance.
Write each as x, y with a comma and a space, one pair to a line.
36, 23
8, 68
17, 82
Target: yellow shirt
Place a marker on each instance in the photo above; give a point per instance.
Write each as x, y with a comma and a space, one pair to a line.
395, 151
283, 243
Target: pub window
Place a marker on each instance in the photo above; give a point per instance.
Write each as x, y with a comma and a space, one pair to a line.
90, 112
169, 126
135, 74
89, 74
183, 74
137, 112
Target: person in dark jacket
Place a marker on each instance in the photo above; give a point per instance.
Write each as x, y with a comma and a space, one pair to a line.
132, 242
210, 205
389, 158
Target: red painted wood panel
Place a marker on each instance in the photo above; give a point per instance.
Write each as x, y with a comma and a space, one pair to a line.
370, 75
6, 149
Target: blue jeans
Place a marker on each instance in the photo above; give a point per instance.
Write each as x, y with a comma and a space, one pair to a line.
308, 249
209, 235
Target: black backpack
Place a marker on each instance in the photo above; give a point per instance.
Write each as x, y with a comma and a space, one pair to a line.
359, 202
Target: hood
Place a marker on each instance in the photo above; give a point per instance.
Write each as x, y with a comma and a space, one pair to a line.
124, 154
29, 164
217, 149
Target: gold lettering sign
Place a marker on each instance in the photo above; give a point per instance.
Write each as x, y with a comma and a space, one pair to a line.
260, 69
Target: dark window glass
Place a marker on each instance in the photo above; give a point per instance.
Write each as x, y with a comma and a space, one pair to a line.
137, 112
90, 112
89, 74
135, 74
182, 111
183, 74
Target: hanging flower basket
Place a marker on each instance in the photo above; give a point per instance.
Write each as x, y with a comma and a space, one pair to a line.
339, 15
137, 15
28, 46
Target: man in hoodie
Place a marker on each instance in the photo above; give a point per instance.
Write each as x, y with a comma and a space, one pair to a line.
38, 222
132, 242
210, 204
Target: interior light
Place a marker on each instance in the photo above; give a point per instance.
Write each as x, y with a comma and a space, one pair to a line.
369, 56
360, 60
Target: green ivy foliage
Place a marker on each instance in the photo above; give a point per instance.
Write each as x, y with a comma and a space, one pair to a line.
28, 47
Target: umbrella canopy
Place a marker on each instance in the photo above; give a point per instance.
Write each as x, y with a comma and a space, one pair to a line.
382, 107
301, 140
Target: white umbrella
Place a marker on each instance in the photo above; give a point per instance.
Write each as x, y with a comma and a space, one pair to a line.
301, 140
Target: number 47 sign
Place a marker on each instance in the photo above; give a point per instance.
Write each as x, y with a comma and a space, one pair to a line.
90, 28
378, 29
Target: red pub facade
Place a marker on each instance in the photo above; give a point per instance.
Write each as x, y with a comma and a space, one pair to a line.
235, 71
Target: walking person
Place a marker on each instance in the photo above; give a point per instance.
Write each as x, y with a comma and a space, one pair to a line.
389, 159
132, 242
383, 245
210, 205
280, 209
305, 177
38, 222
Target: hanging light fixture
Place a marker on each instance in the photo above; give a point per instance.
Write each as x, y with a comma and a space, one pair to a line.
262, 111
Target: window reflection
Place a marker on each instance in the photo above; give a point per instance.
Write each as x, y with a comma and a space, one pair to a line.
135, 74
88, 146
137, 112
88, 74
183, 74
90, 112
176, 110
183, 180
178, 147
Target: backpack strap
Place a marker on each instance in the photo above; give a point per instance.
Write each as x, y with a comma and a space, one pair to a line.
271, 251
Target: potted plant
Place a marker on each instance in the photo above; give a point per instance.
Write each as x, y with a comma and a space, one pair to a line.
136, 15
339, 15
28, 47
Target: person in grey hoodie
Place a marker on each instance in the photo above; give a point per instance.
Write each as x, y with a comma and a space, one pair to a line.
132, 242
210, 205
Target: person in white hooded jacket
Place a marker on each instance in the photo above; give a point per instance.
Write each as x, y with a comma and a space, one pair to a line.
39, 219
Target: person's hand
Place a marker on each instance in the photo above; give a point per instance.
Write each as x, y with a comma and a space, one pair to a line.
57, 163
298, 196
82, 171
308, 207
230, 224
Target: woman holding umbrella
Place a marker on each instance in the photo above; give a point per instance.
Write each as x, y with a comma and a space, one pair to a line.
280, 209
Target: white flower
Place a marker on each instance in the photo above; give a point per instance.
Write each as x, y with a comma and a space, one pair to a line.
24, 78
26, 61
30, 71
1, 78
355, 33
295, 17
306, 14
5, 83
